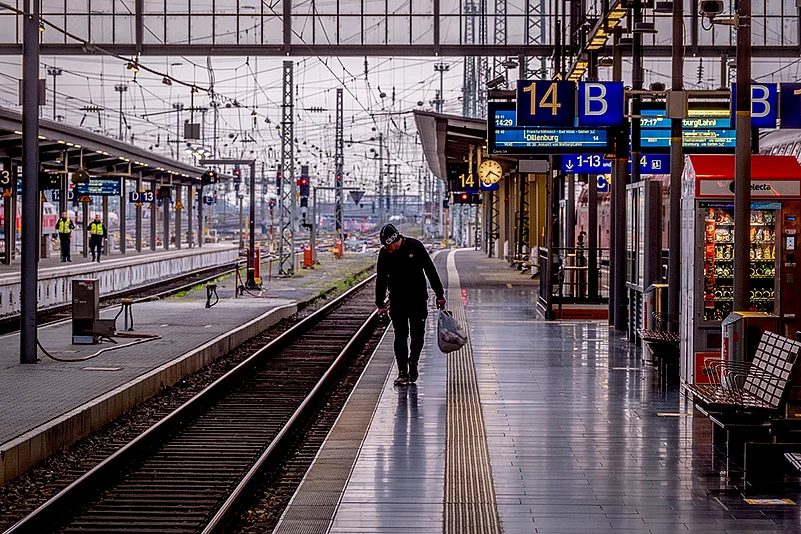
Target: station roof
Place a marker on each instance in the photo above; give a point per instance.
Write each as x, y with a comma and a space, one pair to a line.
96, 153
763, 167
448, 138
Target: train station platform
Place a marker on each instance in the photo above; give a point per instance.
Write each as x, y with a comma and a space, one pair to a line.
116, 272
534, 426
51, 404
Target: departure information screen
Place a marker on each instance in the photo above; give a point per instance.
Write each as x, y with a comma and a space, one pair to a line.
699, 134
506, 137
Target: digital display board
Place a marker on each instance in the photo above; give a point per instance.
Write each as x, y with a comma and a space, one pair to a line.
506, 137
99, 186
699, 134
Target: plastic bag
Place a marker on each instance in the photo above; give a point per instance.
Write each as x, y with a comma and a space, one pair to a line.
450, 334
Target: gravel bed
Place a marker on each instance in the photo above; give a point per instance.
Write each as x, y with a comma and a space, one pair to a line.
25, 493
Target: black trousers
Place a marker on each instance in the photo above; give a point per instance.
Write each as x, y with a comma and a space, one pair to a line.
96, 242
65, 245
408, 319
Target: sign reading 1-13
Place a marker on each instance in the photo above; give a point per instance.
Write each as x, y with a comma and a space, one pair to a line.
545, 103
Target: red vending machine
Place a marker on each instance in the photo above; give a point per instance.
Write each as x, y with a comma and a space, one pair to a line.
707, 263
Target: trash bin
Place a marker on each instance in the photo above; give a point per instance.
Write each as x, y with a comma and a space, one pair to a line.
742, 332
655, 301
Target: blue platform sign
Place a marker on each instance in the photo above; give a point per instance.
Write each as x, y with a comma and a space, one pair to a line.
791, 105
600, 103
586, 164
653, 164
603, 184
545, 103
105, 187
764, 104
141, 196
699, 134
57, 195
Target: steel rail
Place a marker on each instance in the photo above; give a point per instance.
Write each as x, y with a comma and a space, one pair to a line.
107, 472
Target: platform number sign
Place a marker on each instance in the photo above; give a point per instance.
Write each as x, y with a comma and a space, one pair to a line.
136, 197
5, 178
764, 104
545, 103
791, 105
600, 103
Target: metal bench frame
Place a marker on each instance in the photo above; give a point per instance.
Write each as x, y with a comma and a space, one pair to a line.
761, 386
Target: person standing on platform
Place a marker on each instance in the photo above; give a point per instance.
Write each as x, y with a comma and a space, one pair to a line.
64, 228
97, 232
403, 265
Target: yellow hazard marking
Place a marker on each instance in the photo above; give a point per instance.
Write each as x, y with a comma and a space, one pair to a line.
178, 205
7, 193
769, 501
509, 286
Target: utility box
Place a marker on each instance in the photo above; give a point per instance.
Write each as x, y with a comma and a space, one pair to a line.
742, 332
85, 310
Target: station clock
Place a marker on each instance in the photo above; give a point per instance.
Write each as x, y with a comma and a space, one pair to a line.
490, 172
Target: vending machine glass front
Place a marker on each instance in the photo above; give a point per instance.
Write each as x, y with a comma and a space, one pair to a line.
718, 254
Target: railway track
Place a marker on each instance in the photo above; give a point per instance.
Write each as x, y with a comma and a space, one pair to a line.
192, 471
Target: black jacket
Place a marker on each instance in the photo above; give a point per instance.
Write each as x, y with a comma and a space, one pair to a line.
404, 273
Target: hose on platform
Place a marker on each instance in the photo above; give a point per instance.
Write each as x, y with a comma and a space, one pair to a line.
140, 338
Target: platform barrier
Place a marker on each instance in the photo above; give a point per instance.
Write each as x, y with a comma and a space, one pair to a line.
115, 275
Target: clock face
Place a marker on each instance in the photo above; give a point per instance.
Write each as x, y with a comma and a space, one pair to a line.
490, 172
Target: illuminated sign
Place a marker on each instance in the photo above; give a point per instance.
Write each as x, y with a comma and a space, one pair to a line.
545, 103
699, 134
507, 137
791, 105
764, 104
106, 187
600, 103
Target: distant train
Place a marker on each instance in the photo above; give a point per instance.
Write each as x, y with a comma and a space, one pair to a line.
49, 218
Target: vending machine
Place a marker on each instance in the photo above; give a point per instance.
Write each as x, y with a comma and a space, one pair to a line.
707, 262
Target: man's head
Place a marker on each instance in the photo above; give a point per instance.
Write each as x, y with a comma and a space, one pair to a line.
63, 214
390, 238
97, 217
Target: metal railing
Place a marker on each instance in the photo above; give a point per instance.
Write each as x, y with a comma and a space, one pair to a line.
580, 275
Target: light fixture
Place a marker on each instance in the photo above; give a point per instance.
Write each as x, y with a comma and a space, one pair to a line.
644, 27
664, 7
509, 64
194, 90
132, 66
253, 113
41, 27
166, 81
657, 86
606, 62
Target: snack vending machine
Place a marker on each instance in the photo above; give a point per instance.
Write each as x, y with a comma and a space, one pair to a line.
707, 263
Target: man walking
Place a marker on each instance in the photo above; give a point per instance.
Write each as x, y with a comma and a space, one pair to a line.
403, 265
64, 228
97, 232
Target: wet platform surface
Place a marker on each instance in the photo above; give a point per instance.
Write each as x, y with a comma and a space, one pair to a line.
582, 437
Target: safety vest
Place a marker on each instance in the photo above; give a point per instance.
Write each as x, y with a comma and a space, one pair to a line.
63, 226
96, 228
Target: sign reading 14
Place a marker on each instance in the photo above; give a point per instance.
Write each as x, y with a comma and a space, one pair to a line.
553, 103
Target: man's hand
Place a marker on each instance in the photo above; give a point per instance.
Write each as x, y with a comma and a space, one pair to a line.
441, 304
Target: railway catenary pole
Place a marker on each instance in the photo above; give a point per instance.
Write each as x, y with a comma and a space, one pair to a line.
339, 163
380, 177
30, 176
288, 186
676, 167
742, 176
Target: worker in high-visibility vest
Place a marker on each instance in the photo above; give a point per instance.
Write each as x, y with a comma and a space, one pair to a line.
64, 228
97, 232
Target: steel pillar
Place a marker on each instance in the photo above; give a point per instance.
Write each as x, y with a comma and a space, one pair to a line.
288, 186
190, 199
676, 169
153, 216
138, 231
482, 63
339, 164
123, 214
498, 68
178, 213
30, 178
742, 157
380, 177
469, 87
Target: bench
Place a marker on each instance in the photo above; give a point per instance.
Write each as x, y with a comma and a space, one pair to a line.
663, 346
745, 400
759, 387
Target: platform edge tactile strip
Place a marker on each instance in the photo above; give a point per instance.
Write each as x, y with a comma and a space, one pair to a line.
470, 505
314, 504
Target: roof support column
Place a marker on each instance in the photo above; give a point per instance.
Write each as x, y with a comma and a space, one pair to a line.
676, 168
123, 210
139, 215
153, 216
178, 212
30, 178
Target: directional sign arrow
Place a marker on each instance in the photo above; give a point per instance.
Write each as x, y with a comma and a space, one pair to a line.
569, 165
356, 196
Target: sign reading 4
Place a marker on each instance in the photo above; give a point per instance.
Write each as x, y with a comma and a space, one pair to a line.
545, 103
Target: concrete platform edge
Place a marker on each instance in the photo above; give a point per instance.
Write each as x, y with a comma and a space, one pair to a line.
23, 452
